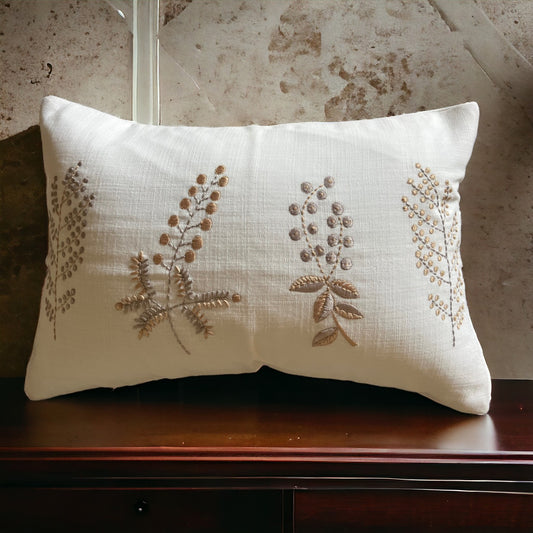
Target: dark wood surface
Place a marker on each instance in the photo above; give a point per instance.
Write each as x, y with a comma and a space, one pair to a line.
83, 510
268, 425
267, 409
292, 454
333, 512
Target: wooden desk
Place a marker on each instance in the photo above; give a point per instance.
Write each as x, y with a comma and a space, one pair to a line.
263, 453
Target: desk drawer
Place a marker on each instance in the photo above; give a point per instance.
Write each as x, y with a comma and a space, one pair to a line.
38, 510
409, 510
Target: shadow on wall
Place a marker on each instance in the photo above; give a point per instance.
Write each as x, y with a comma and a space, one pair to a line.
23, 246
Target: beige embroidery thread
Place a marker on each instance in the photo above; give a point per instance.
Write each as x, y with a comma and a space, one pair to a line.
326, 304
67, 221
436, 235
179, 292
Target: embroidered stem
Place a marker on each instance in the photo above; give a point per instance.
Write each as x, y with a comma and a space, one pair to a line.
175, 259
445, 236
343, 333
306, 234
172, 327
58, 234
339, 250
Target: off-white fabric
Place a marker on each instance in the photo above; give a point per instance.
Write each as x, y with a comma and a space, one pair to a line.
139, 174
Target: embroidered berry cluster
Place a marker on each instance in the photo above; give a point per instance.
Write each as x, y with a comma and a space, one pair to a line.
326, 248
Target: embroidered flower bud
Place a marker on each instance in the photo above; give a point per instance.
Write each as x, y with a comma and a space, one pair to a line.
295, 234
197, 242
215, 196
333, 240
331, 257
312, 229
337, 208
236, 298
206, 224
173, 221
321, 194
201, 179
329, 181
164, 239
185, 203
192, 191
119, 306
190, 256
319, 250
347, 222
223, 181
294, 209
220, 169
332, 221
312, 208
306, 187
211, 208
348, 242
158, 259
305, 255
346, 263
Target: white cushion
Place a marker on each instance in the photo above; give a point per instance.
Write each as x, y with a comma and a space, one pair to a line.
321, 249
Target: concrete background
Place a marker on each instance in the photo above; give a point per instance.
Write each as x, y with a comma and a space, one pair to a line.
233, 62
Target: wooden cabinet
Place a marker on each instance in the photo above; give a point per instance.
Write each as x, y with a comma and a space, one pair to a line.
263, 453
84, 510
412, 510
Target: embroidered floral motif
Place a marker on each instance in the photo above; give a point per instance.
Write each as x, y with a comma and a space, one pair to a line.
179, 293
67, 221
327, 304
436, 235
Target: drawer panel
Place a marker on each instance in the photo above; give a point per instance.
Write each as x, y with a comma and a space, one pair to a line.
35, 510
408, 510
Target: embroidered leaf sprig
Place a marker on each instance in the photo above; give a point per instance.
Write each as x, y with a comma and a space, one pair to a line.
67, 222
328, 257
437, 238
181, 242
140, 273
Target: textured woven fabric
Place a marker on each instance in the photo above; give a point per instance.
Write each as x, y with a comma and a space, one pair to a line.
320, 249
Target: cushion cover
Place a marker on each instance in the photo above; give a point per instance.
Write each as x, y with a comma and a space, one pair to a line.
321, 249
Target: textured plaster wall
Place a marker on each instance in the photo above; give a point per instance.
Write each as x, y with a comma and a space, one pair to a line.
232, 62
75, 49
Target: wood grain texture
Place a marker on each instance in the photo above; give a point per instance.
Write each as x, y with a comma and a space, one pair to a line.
336, 511
264, 452
266, 424
266, 409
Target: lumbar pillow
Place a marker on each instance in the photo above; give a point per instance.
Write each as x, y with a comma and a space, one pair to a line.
322, 249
